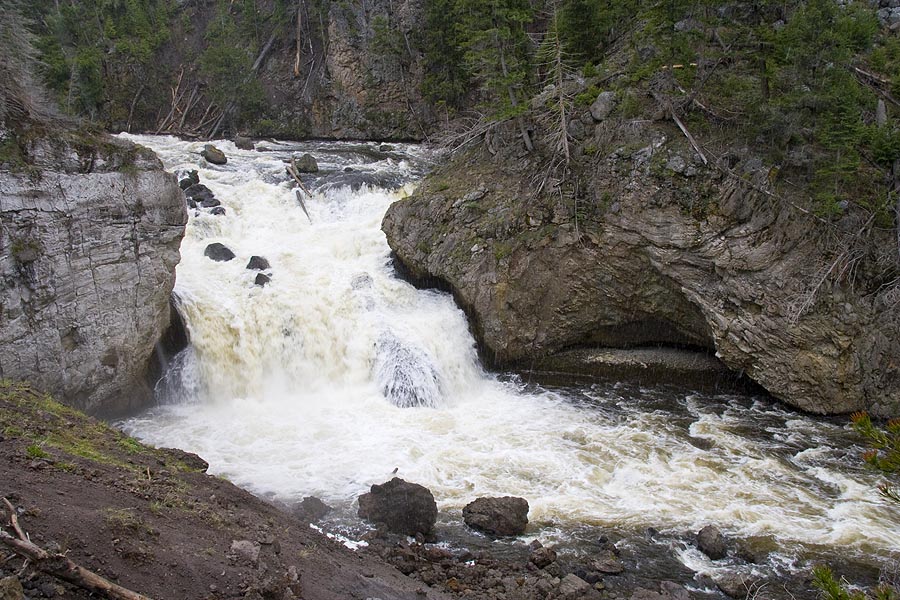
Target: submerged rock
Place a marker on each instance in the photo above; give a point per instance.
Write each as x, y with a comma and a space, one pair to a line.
218, 252
243, 143
711, 542
258, 263
497, 516
218, 211
213, 155
406, 374
405, 508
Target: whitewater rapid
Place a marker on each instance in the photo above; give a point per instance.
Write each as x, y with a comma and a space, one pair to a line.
283, 386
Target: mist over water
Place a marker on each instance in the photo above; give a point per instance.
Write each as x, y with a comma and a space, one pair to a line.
337, 372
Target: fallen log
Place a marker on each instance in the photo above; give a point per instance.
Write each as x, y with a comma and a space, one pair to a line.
60, 566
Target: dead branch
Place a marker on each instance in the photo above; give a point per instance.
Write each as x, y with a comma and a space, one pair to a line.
14, 520
292, 169
190, 105
60, 566
175, 99
690, 137
134, 102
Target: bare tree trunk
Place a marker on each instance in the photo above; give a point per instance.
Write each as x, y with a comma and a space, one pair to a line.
299, 38
526, 137
896, 191
133, 104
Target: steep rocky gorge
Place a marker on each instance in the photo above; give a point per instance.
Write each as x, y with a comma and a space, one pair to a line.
646, 246
91, 228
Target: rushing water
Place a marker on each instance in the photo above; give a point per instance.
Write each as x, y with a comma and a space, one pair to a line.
304, 387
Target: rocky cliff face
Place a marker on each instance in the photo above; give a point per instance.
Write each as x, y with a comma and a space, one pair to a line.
90, 238
360, 78
646, 246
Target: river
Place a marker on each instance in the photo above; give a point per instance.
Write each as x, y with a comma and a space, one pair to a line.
302, 387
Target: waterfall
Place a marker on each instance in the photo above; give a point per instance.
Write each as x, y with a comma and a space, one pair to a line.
337, 372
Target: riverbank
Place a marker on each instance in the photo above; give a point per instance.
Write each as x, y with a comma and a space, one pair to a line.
152, 521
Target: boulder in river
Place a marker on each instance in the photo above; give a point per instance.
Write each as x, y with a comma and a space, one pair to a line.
210, 203
307, 164
262, 280
213, 155
406, 374
258, 263
405, 508
711, 542
187, 178
198, 192
243, 143
218, 211
218, 252
311, 509
497, 516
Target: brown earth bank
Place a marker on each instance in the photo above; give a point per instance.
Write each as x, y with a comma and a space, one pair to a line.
641, 244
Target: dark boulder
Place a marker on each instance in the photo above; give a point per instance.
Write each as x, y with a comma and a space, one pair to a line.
199, 192
218, 211
311, 509
187, 178
218, 252
736, 585
258, 263
608, 566
210, 203
668, 590
213, 155
497, 516
243, 143
307, 164
711, 542
405, 508
262, 280
542, 557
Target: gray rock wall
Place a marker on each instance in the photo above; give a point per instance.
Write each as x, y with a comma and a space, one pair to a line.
645, 251
89, 240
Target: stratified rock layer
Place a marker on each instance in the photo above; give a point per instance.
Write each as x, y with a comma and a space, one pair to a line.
650, 247
88, 246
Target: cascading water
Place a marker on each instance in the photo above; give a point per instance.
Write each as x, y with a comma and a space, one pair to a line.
336, 373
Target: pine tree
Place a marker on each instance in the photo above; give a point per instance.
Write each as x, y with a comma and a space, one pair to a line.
492, 35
